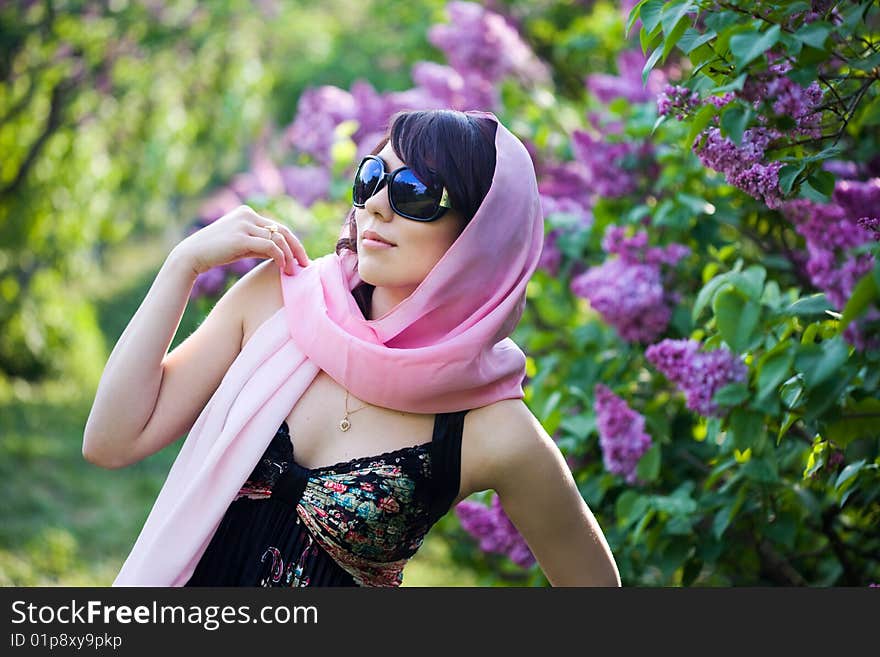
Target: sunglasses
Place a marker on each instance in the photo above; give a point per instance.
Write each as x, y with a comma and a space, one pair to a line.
409, 196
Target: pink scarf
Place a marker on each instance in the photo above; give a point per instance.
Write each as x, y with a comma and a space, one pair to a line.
444, 348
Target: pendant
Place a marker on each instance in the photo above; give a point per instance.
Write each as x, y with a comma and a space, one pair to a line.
344, 424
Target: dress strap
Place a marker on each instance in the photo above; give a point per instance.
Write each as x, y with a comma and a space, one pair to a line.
445, 462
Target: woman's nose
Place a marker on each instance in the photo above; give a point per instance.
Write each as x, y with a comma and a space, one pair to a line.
379, 203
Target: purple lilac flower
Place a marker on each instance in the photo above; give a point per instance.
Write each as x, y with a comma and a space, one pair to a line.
610, 167
563, 205
306, 184
209, 283
842, 168
742, 165
722, 100
622, 434
482, 42
494, 530
678, 101
831, 231
628, 82
635, 249
628, 290
456, 90
872, 224
551, 257
318, 112
565, 180
698, 374
629, 297
219, 203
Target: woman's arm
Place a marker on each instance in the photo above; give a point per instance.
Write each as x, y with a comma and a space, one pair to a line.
539, 495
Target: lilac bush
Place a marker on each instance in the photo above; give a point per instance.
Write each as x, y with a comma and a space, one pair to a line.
622, 435
494, 530
698, 374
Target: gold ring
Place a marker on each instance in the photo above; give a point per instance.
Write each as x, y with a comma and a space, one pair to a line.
272, 228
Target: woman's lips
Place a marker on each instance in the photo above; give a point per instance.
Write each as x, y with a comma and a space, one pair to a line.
376, 244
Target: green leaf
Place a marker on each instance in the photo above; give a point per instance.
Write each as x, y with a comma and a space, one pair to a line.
788, 174
750, 281
822, 181
673, 13
865, 423
828, 393
761, 469
818, 362
737, 317
848, 473
634, 16
814, 34
734, 120
700, 121
815, 304
650, 14
692, 39
747, 427
811, 193
734, 85
673, 37
774, 367
648, 467
750, 45
652, 61
870, 115
707, 293
725, 515
864, 292
731, 394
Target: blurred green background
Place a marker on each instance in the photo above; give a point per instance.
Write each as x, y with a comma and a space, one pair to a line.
117, 119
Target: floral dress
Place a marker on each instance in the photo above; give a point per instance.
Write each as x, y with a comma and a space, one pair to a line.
354, 523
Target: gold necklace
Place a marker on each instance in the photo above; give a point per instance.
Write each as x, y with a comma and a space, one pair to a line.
344, 424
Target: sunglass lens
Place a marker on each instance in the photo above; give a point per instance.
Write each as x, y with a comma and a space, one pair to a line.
412, 197
365, 181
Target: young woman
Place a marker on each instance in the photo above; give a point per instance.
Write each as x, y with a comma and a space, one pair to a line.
387, 365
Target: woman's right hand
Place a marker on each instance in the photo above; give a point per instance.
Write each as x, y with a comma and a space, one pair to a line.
242, 233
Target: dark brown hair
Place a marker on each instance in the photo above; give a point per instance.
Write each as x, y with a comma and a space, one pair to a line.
444, 147
441, 146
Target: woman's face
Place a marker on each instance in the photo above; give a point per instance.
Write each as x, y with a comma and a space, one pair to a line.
419, 245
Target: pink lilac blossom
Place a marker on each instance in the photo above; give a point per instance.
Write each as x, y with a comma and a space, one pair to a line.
482, 42
622, 434
494, 530
698, 374
627, 83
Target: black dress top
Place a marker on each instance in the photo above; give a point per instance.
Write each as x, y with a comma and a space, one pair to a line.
354, 523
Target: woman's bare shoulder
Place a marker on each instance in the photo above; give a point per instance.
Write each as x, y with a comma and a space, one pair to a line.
490, 432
